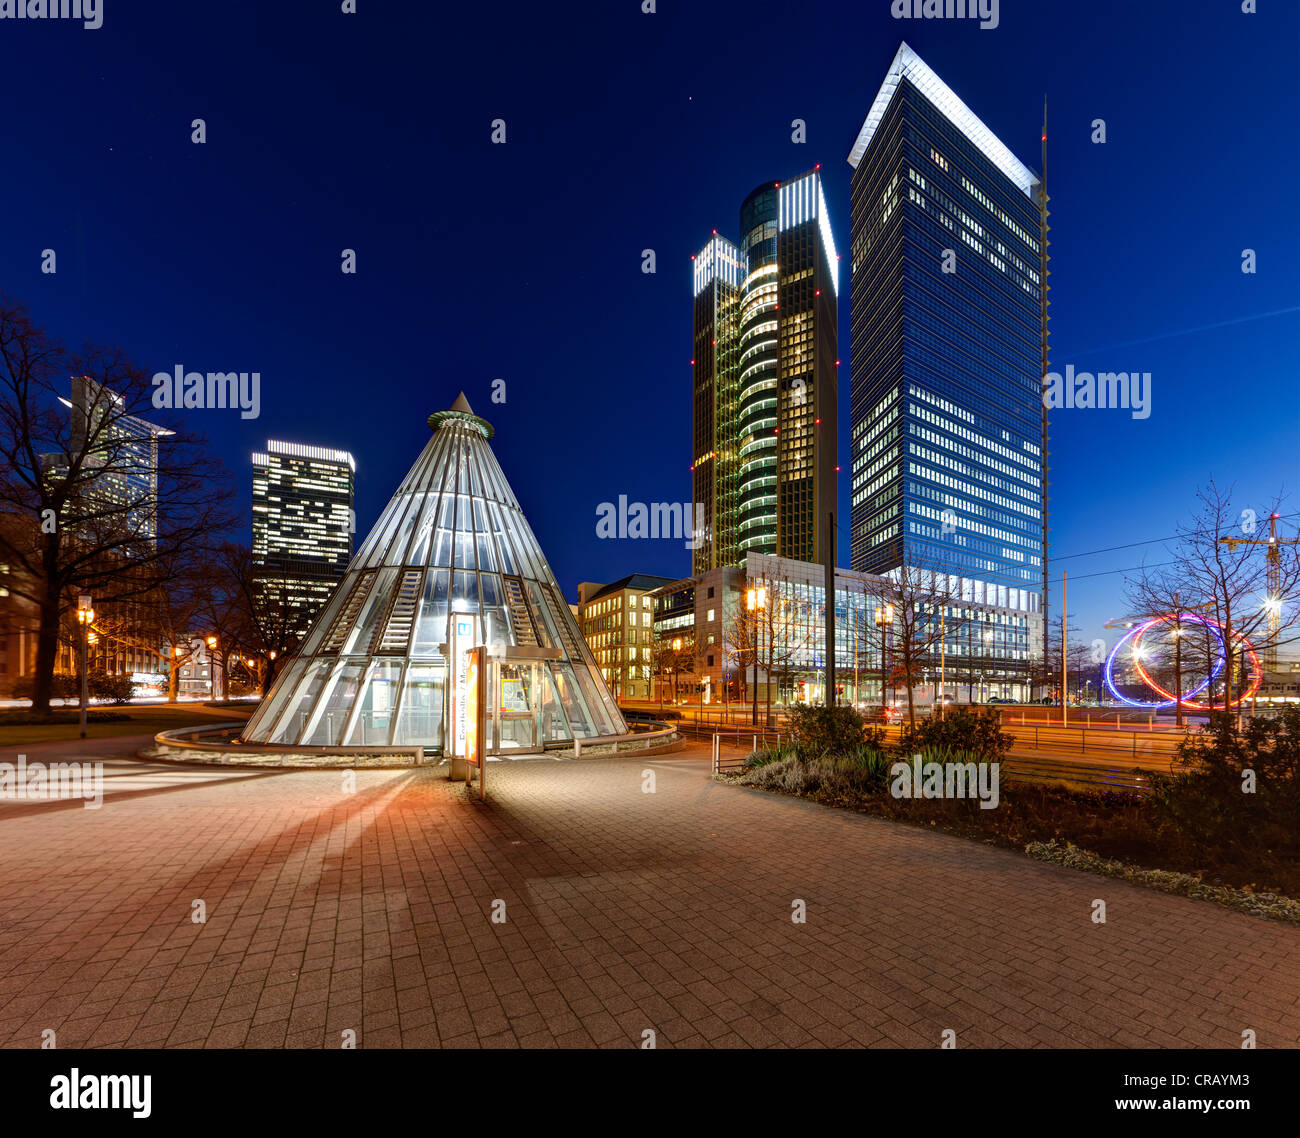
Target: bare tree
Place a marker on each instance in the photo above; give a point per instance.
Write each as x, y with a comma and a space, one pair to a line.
258, 620
103, 500
1232, 579
914, 608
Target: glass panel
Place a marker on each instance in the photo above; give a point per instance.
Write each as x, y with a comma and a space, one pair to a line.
441, 579
550, 712
595, 704
523, 555
464, 593
495, 628
384, 530
503, 546
464, 550
431, 625
428, 527
490, 583
420, 720
375, 715
327, 616
541, 618
442, 548
571, 702
358, 638
517, 708
396, 554
335, 705
291, 725
259, 726
486, 558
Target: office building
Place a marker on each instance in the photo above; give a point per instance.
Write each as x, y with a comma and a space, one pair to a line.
616, 621
765, 379
302, 526
946, 338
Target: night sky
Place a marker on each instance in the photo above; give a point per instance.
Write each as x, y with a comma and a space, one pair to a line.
627, 132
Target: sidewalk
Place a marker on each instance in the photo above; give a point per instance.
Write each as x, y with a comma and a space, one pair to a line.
624, 911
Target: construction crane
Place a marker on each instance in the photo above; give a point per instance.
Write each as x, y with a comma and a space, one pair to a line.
1273, 605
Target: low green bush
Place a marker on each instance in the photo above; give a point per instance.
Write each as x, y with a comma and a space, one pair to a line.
818, 730
975, 735
1208, 798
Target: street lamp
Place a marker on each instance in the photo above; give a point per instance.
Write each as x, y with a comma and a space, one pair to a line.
884, 621
212, 665
85, 617
677, 647
755, 602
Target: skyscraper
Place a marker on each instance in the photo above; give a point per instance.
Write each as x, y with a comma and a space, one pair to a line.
946, 334
302, 525
120, 461
765, 379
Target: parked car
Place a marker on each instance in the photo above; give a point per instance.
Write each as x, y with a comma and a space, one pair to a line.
999, 699
887, 715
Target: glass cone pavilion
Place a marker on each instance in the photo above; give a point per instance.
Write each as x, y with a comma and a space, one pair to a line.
451, 565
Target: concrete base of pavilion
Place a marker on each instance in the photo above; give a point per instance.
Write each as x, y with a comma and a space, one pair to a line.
217, 745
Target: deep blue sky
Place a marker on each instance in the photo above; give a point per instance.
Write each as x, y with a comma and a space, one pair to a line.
629, 131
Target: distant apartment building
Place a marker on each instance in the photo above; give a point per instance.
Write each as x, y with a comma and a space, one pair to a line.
617, 623
947, 422
303, 522
765, 363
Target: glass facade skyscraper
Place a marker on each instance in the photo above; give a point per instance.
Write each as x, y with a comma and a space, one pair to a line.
302, 526
946, 335
765, 384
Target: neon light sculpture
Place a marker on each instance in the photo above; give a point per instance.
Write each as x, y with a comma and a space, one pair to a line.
1133, 638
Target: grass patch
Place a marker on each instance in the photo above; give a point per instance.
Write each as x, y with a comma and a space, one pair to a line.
18, 728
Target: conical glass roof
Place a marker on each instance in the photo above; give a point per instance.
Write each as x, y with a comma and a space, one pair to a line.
452, 555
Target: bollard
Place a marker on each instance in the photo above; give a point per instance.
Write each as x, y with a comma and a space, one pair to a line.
577, 748
755, 751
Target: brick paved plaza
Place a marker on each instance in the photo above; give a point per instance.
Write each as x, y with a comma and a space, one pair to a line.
625, 911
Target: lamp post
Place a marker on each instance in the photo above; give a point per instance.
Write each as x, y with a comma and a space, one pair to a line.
988, 662
212, 665
755, 602
884, 619
943, 657
85, 617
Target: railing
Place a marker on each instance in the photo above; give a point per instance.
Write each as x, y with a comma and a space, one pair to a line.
1087, 775
725, 764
